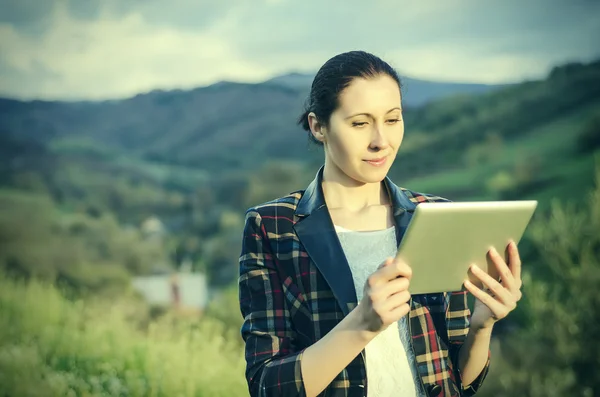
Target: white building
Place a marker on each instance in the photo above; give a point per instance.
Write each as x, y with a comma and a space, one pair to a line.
184, 290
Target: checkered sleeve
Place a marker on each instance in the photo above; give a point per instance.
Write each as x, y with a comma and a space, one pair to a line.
272, 362
458, 317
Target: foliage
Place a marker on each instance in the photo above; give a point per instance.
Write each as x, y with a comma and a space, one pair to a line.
556, 352
82, 252
93, 193
589, 138
50, 346
504, 144
226, 308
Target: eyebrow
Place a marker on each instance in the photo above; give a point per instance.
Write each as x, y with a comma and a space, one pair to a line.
370, 115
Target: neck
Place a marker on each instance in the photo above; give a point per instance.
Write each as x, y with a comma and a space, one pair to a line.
341, 191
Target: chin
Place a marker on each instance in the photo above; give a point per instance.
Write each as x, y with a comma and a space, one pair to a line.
374, 178
373, 175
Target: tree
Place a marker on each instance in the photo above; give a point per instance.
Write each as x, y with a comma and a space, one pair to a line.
589, 138
556, 353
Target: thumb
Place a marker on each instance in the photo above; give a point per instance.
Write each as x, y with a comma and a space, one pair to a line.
387, 262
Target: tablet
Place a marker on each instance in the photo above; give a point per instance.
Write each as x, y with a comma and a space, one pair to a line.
443, 240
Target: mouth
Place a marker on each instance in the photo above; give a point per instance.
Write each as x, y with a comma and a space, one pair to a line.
377, 162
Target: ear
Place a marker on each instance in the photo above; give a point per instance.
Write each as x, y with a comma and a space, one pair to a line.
316, 128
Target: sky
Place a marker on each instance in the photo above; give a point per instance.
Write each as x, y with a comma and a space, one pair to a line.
109, 49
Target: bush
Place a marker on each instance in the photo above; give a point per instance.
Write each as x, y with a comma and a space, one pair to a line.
50, 346
501, 182
89, 254
589, 138
556, 353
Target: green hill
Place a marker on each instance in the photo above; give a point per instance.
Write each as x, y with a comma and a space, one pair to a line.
78, 182
197, 159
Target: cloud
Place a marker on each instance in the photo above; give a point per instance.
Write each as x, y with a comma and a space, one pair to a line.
114, 57
110, 49
24, 12
452, 40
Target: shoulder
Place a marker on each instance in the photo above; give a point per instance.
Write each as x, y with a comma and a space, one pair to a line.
419, 197
278, 210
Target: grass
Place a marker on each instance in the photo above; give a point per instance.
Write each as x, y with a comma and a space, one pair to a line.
159, 172
50, 346
576, 178
552, 145
162, 173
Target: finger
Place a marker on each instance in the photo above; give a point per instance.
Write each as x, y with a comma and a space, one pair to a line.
396, 300
493, 285
381, 292
514, 260
387, 262
505, 274
396, 269
376, 278
394, 286
497, 308
398, 313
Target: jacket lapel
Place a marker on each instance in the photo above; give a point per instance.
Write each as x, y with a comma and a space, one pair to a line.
317, 234
403, 208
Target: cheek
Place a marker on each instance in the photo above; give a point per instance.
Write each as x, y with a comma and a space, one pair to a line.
343, 144
341, 150
397, 137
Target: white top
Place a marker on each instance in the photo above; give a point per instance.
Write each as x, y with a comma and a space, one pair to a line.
390, 361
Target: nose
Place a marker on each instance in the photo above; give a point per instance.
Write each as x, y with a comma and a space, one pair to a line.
379, 139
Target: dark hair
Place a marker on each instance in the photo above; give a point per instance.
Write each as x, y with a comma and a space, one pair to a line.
333, 77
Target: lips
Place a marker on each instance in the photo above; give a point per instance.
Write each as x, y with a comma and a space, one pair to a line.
377, 162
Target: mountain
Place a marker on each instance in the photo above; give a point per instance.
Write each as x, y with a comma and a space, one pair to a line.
234, 127
200, 127
207, 127
198, 159
300, 81
416, 92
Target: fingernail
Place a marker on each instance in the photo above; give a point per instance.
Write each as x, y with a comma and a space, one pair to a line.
475, 267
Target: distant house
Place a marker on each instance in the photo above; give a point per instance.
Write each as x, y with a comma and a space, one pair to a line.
153, 227
186, 291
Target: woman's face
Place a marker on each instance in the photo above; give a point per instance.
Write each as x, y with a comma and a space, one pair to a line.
366, 130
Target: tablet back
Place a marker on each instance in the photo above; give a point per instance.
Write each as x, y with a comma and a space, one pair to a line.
444, 239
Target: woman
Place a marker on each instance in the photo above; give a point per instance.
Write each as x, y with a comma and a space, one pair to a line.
327, 309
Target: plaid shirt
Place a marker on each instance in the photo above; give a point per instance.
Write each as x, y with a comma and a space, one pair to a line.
295, 286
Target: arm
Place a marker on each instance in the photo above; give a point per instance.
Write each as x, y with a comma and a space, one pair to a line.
273, 364
274, 367
494, 302
474, 354
469, 345
324, 360
386, 300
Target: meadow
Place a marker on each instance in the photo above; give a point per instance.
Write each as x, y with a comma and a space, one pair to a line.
76, 191
53, 346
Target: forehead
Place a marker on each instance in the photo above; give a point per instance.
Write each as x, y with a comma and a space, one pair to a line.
373, 95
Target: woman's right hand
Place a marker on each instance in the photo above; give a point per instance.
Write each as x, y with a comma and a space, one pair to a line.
385, 297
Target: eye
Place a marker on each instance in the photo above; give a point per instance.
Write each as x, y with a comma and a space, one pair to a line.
359, 123
393, 121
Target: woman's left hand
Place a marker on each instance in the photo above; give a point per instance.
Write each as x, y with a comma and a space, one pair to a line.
498, 298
